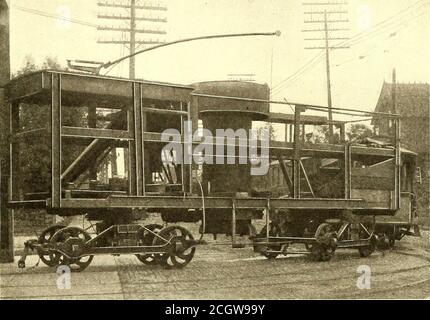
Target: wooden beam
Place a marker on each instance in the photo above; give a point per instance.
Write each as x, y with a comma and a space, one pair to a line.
165, 111
55, 126
347, 166
6, 215
289, 118
110, 134
296, 153
92, 123
138, 136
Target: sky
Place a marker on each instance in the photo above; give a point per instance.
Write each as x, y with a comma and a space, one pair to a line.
357, 73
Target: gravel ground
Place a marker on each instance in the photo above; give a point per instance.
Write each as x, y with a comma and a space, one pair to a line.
220, 272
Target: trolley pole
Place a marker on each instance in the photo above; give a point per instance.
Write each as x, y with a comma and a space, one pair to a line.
132, 29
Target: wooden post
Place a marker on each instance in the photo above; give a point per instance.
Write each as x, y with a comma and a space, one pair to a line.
286, 132
342, 133
131, 128
296, 153
193, 116
92, 123
6, 215
347, 171
233, 224
138, 138
397, 167
55, 129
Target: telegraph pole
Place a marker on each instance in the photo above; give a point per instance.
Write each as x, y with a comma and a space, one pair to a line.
327, 63
135, 15
6, 215
325, 13
132, 71
131, 18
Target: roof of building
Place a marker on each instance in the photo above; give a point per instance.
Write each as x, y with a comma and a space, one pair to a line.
412, 99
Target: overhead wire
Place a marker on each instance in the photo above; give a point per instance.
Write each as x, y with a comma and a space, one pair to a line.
358, 38
390, 36
54, 16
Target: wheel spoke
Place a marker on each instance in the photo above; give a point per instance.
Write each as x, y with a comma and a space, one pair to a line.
68, 239
181, 254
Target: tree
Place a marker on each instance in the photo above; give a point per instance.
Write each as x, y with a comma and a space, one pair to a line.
323, 135
359, 131
270, 129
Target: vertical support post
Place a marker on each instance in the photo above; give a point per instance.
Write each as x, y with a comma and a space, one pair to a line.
193, 116
268, 219
6, 192
303, 133
138, 139
397, 171
291, 129
185, 145
233, 224
342, 132
296, 153
144, 128
14, 153
131, 127
6, 215
182, 137
56, 140
286, 132
347, 171
92, 123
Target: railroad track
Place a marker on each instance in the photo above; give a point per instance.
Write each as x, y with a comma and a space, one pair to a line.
262, 277
266, 280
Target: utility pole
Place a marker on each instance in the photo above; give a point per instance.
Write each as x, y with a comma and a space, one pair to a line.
6, 215
333, 16
133, 16
132, 71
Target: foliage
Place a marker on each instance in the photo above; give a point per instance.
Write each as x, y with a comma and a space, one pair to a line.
323, 135
269, 127
355, 131
359, 131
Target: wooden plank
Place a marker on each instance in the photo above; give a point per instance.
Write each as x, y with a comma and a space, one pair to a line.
165, 202
123, 88
289, 119
95, 133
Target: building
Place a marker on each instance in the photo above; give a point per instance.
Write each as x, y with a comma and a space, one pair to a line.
412, 103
